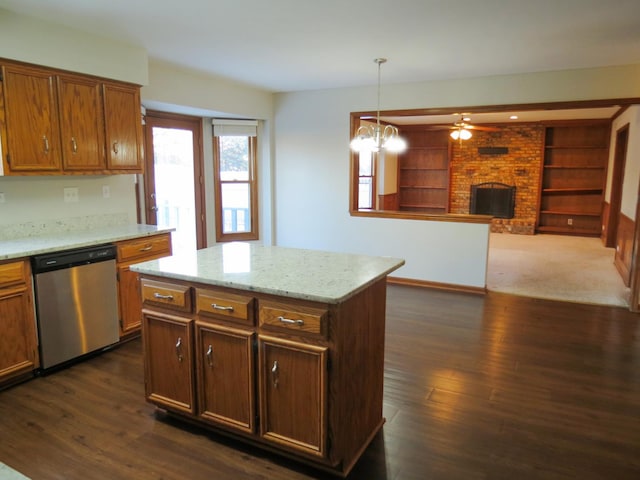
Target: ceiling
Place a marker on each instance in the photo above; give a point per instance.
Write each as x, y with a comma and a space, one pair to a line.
292, 45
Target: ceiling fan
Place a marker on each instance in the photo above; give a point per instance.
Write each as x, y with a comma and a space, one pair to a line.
461, 130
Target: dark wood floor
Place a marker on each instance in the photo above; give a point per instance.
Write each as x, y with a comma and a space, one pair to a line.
494, 386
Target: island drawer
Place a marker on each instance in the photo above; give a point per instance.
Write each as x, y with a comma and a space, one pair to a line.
293, 317
228, 306
146, 248
12, 274
169, 295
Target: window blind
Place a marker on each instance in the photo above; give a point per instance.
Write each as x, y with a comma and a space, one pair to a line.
226, 127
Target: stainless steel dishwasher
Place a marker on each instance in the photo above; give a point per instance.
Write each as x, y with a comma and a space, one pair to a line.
76, 303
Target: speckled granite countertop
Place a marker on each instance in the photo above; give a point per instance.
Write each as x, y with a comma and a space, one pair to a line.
36, 245
304, 274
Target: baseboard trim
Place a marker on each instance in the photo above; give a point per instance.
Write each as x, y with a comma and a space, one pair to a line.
436, 285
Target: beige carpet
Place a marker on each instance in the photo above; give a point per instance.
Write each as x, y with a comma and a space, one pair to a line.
557, 267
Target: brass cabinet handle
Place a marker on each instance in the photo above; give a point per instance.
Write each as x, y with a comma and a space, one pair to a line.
147, 248
162, 297
221, 307
74, 145
289, 321
45, 140
115, 147
179, 349
210, 356
274, 374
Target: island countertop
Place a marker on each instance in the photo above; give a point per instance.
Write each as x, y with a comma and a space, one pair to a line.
313, 275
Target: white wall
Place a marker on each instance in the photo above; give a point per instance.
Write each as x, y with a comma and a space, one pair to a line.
631, 181
172, 89
40, 199
312, 167
31, 40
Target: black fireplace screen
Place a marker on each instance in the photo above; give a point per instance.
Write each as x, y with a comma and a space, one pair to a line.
492, 198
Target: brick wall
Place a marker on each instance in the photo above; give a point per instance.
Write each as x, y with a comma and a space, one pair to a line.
519, 167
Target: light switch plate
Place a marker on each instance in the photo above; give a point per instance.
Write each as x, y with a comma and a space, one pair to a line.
2, 199
106, 191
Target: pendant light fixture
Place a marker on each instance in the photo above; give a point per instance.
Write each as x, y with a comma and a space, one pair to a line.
370, 138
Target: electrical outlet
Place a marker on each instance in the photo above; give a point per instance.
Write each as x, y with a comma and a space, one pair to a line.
570, 221
71, 195
106, 191
2, 199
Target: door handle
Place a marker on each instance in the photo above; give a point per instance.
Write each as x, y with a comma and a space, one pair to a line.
179, 349
275, 374
210, 356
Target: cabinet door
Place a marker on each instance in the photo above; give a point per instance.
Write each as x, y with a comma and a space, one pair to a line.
123, 127
81, 123
18, 342
293, 400
168, 348
32, 120
225, 376
129, 301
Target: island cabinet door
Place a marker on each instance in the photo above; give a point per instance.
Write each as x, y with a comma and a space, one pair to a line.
169, 372
225, 369
293, 395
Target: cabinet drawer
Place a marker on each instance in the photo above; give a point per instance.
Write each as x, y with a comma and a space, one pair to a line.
146, 248
293, 317
170, 295
224, 305
12, 274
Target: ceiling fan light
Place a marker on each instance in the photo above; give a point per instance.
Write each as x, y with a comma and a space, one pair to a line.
465, 134
455, 134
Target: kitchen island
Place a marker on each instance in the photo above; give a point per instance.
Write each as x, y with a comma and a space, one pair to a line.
281, 347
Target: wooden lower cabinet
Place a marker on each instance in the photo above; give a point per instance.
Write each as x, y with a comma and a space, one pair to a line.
168, 352
297, 377
225, 366
18, 337
293, 387
129, 300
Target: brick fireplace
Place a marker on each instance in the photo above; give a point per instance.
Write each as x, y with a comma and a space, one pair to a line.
512, 156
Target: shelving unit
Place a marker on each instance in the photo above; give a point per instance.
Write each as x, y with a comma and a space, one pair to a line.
423, 172
573, 178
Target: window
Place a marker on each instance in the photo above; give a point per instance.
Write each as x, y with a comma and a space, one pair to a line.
235, 181
366, 181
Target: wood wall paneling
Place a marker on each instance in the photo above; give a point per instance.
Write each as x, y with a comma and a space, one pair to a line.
624, 247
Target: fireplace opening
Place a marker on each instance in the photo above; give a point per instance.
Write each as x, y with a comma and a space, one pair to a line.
493, 198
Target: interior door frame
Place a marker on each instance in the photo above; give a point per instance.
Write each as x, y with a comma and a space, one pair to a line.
184, 122
617, 177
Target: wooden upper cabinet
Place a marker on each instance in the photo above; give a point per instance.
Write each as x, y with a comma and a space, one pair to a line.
31, 112
123, 122
57, 122
81, 123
